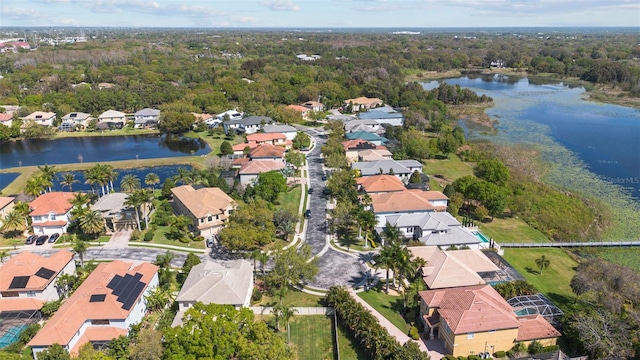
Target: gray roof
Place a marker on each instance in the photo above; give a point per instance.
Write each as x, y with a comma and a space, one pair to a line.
73, 116
226, 283
455, 236
432, 221
110, 203
369, 168
147, 112
341, 117
380, 114
251, 120
279, 129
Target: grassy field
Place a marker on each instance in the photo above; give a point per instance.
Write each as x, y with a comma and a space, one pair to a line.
511, 230
445, 171
554, 281
312, 337
160, 238
628, 256
293, 297
348, 347
389, 306
290, 199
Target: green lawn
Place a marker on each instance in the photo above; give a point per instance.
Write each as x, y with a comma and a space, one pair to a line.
511, 230
214, 141
290, 199
387, 305
293, 297
311, 337
446, 171
348, 346
554, 281
160, 238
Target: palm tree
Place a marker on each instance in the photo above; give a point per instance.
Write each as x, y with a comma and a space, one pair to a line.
542, 263
95, 176
13, 221
80, 199
3, 254
23, 210
134, 201
79, 247
386, 259
48, 173
263, 259
109, 174
285, 313
130, 183
255, 255
391, 233
91, 222
64, 284
68, 179
152, 179
34, 187
367, 220
146, 198
157, 299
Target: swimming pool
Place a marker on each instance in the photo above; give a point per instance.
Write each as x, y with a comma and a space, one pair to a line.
12, 335
481, 236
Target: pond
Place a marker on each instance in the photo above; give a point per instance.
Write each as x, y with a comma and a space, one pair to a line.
97, 149
6, 179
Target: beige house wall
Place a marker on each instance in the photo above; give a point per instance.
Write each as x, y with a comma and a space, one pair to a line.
463, 345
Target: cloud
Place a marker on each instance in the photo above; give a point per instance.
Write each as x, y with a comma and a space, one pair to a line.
20, 13
280, 5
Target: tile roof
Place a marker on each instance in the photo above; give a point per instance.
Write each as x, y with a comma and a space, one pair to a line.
534, 327
298, 108
379, 114
78, 308
5, 117
267, 151
380, 183
20, 304
28, 264
241, 147
375, 154
55, 202
405, 201
39, 115
75, 116
357, 144
258, 167
204, 201
112, 114
368, 168
202, 117
468, 309
5, 200
257, 137
218, 282
279, 129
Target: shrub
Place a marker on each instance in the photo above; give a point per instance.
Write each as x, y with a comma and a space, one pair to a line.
450, 357
499, 354
50, 307
135, 235
413, 333
256, 297
474, 357
535, 347
550, 348
148, 236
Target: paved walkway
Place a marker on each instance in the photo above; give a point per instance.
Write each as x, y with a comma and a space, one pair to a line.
119, 240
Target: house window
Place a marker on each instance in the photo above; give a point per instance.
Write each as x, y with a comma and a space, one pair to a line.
210, 218
31, 293
217, 217
409, 229
100, 322
8, 294
471, 336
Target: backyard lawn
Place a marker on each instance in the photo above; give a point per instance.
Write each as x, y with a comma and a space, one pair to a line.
290, 199
445, 171
554, 281
387, 305
511, 230
312, 337
293, 297
348, 347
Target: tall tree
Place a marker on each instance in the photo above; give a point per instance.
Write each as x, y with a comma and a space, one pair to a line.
80, 247
13, 221
48, 173
270, 184
291, 267
130, 183
542, 263
250, 226
152, 179
91, 223
68, 179
148, 345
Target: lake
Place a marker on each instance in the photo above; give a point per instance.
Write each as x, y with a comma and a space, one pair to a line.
97, 149
572, 134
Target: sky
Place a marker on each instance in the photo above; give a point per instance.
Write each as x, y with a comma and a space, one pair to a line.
320, 13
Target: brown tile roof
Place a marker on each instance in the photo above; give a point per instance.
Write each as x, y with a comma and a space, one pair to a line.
471, 308
241, 147
267, 150
358, 144
5, 117
380, 183
204, 201
363, 101
202, 117
257, 137
20, 304
55, 202
408, 200
298, 108
78, 308
240, 161
28, 264
258, 167
534, 327
5, 200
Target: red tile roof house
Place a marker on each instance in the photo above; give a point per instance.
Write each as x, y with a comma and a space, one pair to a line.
303, 111
28, 280
267, 152
352, 148
476, 319
51, 212
208, 208
254, 140
249, 171
406, 202
107, 303
378, 184
6, 119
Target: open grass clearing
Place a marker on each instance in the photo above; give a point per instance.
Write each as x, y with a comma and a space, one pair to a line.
554, 280
348, 346
294, 298
290, 199
511, 230
387, 305
311, 337
445, 171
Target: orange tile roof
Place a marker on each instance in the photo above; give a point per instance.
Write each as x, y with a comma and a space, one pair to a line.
5, 117
258, 137
20, 304
468, 309
52, 202
51, 223
204, 201
533, 327
240, 161
77, 309
5, 200
358, 144
28, 264
202, 117
408, 200
298, 108
267, 150
98, 333
380, 183
241, 147
258, 167
363, 101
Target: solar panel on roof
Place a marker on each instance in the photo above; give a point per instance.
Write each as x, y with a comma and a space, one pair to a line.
114, 282
133, 296
19, 282
127, 288
97, 297
45, 273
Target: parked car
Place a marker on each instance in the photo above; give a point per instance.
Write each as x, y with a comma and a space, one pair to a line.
31, 239
310, 190
54, 237
326, 191
210, 242
42, 239
307, 213
324, 177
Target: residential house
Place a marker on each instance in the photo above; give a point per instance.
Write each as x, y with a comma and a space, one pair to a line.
314, 106
267, 152
29, 279
75, 120
302, 110
229, 176
364, 135
379, 184
248, 125
146, 118
6, 205
216, 282
249, 171
41, 118
106, 85
6, 119
208, 208
109, 301
367, 125
230, 115
51, 212
289, 131
435, 229
362, 103
116, 215
476, 319
455, 268
352, 148
383, 115
402, 169
204, 118
257, 139
112, 119
375, 155
395, 203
